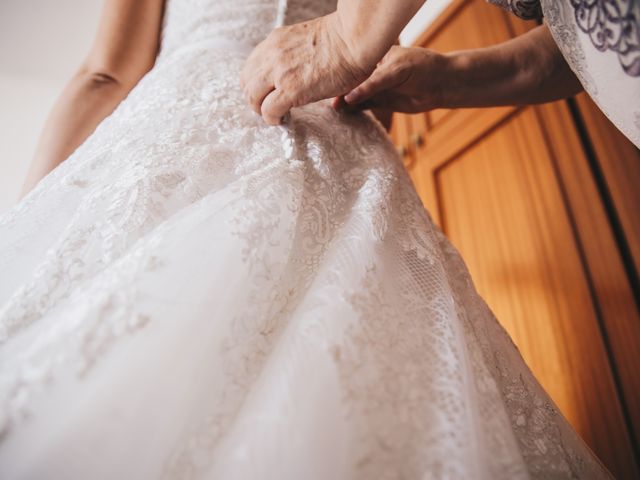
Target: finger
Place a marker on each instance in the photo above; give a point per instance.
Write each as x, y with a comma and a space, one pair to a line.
338, 103
381, 101
380, 80
256, 91
275, 106
365, 105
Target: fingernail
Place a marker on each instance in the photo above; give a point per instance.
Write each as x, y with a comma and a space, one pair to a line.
351, 97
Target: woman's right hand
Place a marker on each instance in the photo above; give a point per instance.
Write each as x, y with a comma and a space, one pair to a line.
406, 80
300, 64
322, 58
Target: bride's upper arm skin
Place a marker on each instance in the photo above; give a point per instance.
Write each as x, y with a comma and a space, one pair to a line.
127, 42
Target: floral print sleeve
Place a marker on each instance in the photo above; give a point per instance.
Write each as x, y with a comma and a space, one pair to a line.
526, 9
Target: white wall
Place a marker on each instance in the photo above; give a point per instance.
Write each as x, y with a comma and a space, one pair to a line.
425, 16
41, 44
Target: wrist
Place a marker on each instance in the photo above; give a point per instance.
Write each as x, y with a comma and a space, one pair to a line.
349, 45
361, 46
453, 85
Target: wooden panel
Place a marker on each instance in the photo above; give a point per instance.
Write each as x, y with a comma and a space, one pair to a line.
466, 126
467, 16
419, 170
502, 206
519, 190
619, 162
400, 132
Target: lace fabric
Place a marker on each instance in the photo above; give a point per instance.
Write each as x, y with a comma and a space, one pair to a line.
194, 294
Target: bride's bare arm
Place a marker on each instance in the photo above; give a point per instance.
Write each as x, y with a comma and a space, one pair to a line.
124, 49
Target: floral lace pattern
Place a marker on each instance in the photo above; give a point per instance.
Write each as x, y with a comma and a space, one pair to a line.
193, 294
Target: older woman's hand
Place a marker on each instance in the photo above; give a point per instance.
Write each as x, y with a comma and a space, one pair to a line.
300, 64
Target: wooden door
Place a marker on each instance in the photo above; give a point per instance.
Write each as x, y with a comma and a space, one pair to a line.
514, 189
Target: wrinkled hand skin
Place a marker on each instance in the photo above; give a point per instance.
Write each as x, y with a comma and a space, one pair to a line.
300, 64
408, 80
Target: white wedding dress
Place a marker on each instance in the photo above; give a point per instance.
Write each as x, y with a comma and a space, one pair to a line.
195, 294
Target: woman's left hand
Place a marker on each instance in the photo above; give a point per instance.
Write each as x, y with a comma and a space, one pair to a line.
409, 80
300, 64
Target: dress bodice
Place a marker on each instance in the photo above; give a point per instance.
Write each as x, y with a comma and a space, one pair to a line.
243, 21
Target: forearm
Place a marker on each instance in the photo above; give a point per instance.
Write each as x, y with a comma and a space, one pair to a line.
86, 100
526, 70
371, 27
123, 52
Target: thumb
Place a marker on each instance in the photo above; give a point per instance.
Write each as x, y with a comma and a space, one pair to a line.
381, 79
275, 106
379, 101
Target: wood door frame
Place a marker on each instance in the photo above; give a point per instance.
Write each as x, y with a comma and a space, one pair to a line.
602, 255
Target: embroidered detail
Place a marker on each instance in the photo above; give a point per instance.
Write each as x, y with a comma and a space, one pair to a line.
612, 25
525, 9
